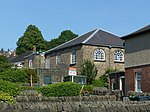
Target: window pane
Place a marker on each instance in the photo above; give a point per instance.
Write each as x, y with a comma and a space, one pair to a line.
73, 57
118, 56
99, 54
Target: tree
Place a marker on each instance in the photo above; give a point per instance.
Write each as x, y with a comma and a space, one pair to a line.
3, 59
103, 80
4, 65
64, 37
32, 37
88, 69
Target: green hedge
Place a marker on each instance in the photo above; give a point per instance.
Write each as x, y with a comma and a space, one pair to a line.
88, 88
9, 87
14, 75
61, 89
5, 97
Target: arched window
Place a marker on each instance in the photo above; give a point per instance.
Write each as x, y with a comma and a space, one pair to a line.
99, 55
118, 56
58, 58
73, 56
47, 62
30, 63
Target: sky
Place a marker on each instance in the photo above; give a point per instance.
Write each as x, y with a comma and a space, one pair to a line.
119, 17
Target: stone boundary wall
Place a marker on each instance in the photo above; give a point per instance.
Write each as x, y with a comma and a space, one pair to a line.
37, 103
39, 98
82, 106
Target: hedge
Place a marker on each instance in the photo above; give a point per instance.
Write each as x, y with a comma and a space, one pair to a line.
14, 75
6, 98
9, 87
61, 89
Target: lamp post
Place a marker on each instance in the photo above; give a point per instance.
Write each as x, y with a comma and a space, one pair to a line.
39, 67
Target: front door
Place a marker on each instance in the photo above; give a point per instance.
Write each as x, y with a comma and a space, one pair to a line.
122, 84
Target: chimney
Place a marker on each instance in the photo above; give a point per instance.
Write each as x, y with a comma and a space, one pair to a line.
14, 53
34, 49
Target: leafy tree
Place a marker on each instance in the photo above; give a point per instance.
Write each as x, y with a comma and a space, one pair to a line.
4, 65
88, 69
32, 37
3, 59
103, 80
64, 37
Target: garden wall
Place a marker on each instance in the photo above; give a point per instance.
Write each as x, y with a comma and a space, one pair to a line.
74, 104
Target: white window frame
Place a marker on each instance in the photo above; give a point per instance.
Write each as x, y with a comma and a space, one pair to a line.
47, 62
30, 63
99, 55
137, 79
118, 56
58, 58
73, 56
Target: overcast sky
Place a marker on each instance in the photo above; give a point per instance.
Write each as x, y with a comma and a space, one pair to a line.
119, 17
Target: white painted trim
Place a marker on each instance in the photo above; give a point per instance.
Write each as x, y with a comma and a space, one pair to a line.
90, 36
136, 89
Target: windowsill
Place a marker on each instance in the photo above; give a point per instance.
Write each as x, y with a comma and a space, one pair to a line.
72, 64
118, 62
99, 61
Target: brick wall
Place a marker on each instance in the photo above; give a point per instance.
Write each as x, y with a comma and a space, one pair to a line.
145, 79
130, 78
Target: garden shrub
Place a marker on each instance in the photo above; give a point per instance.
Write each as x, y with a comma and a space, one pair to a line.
102, 82
32, 72
61, 89
103, 79
14, 75
9, 87
88, 88
6, 98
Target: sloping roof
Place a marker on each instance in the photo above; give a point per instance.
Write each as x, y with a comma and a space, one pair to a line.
144, 29
20, 58
94, 37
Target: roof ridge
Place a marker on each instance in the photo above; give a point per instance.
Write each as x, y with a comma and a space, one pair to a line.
67, 42
90, 36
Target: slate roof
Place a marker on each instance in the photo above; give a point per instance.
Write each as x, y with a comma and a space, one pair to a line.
94, 37
142, 30
20, 58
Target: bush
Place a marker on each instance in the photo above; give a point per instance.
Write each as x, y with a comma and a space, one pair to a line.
9, 87
61, 89
32, 72
97, 83
88, 88
102, 82
88, 69
14, 75
5, 97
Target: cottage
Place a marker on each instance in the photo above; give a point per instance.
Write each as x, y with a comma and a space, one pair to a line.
137, 60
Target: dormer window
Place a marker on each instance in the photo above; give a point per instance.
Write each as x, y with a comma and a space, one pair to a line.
118, 56
99, 55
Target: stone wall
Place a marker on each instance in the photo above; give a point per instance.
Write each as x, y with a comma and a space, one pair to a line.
86, 52
71, 104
